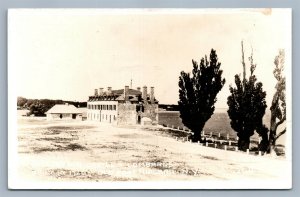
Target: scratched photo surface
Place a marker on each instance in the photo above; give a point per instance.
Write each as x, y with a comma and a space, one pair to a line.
149, 99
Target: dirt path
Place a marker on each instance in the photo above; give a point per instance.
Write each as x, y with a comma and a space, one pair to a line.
83, 151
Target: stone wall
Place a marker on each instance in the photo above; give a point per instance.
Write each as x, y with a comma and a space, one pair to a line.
127, 114
151, 111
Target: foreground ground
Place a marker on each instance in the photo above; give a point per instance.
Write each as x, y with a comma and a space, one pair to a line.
88, 151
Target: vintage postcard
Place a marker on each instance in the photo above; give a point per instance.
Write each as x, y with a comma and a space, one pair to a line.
149, 99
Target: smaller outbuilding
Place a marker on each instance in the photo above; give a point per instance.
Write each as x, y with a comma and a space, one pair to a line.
64, 112
146, 121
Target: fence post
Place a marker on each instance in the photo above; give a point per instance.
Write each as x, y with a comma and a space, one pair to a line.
219, 135
198, 142
215, 145
259, 153
236, 148
176, 138
247, 151
229, 143
210, 134
225, 147
206, 143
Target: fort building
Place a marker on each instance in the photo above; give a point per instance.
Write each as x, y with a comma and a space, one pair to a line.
123, 106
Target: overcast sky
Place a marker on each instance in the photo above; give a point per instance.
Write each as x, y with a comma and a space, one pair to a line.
66, 54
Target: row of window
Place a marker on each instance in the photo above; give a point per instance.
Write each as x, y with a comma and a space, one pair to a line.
102, 107
102, 117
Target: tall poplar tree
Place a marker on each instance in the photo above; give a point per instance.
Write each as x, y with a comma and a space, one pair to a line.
278, 106
198, 92
247, 105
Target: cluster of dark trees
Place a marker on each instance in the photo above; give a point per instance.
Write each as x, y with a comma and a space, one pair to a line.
246, 102
38, 107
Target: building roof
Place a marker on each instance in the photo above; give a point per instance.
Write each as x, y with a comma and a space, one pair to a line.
130, 92
118, 95
63, 109
130, 98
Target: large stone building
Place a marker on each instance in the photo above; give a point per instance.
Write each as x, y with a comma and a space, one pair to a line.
124, 106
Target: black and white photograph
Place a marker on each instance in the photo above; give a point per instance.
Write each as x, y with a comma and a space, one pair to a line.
150, 98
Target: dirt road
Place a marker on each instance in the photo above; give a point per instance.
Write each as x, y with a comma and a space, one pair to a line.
87, 151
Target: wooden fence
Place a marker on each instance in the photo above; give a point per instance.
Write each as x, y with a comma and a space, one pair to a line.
213, 140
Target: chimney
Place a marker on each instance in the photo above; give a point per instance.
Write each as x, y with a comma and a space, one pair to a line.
126, 93
108, 90
144, 95
96, 92
138, 88
152, 95
100, 91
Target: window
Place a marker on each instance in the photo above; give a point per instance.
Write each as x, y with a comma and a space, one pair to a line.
115, 107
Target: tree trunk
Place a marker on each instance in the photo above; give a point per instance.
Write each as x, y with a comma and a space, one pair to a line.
197, 130
264, 144
272, 134
243, 143
196, 137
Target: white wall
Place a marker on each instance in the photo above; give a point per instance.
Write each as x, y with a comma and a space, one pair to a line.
99, 115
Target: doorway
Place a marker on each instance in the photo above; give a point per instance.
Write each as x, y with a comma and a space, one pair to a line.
73, 116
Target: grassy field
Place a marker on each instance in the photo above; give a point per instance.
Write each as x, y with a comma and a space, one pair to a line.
218, 123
